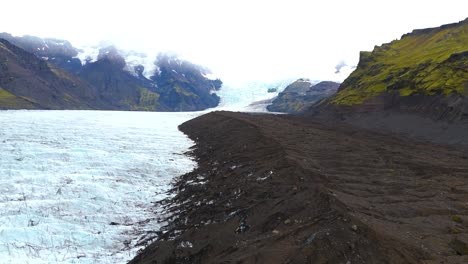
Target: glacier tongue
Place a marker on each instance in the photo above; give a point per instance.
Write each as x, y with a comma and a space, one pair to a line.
249, 96
78, 186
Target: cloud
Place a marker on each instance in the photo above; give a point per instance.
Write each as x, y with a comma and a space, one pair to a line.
340, 65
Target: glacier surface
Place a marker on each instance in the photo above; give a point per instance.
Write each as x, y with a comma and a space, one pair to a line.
249, 96
79, 186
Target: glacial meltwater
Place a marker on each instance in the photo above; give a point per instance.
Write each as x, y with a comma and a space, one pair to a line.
80, 186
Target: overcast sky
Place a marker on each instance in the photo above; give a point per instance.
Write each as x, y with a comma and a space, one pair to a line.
238, 40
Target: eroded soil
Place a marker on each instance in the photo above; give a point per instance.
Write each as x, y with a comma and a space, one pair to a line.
282, 189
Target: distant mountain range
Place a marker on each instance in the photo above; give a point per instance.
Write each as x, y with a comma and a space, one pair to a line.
423, 73
40, 73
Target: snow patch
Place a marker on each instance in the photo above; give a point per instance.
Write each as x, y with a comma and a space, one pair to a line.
90, 53
146, 61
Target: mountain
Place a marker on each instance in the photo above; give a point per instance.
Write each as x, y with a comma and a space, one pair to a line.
177, 85
27, 82
302, 94
184, 86
110, 81
118, 87
425, 73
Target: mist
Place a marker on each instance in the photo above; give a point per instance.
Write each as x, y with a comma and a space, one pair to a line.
238, 40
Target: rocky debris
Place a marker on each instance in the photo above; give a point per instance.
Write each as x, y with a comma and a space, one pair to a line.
459, 246
338, 194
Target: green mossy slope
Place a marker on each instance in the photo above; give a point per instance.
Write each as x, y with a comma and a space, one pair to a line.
10, 101
425, 62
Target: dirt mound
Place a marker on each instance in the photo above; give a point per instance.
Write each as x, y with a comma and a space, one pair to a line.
282, 189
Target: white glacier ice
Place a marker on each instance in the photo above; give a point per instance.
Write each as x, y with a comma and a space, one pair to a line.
79, 186
88, 53
249, 96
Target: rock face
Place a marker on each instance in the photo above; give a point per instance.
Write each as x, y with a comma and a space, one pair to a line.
425, 72
108, 83
302, 94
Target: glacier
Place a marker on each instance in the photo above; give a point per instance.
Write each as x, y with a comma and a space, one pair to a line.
81, 186
252, 96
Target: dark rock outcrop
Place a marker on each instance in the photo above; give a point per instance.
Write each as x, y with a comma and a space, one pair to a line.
302, 94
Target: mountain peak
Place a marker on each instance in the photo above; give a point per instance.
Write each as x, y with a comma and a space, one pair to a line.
112, 55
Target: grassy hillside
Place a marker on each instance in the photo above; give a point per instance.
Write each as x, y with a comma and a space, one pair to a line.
425, 62
10, 101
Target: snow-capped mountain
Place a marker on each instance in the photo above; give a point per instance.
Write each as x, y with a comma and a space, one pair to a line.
120, 80
137, 63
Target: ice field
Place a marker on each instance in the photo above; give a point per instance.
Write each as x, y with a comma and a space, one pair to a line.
79, 186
